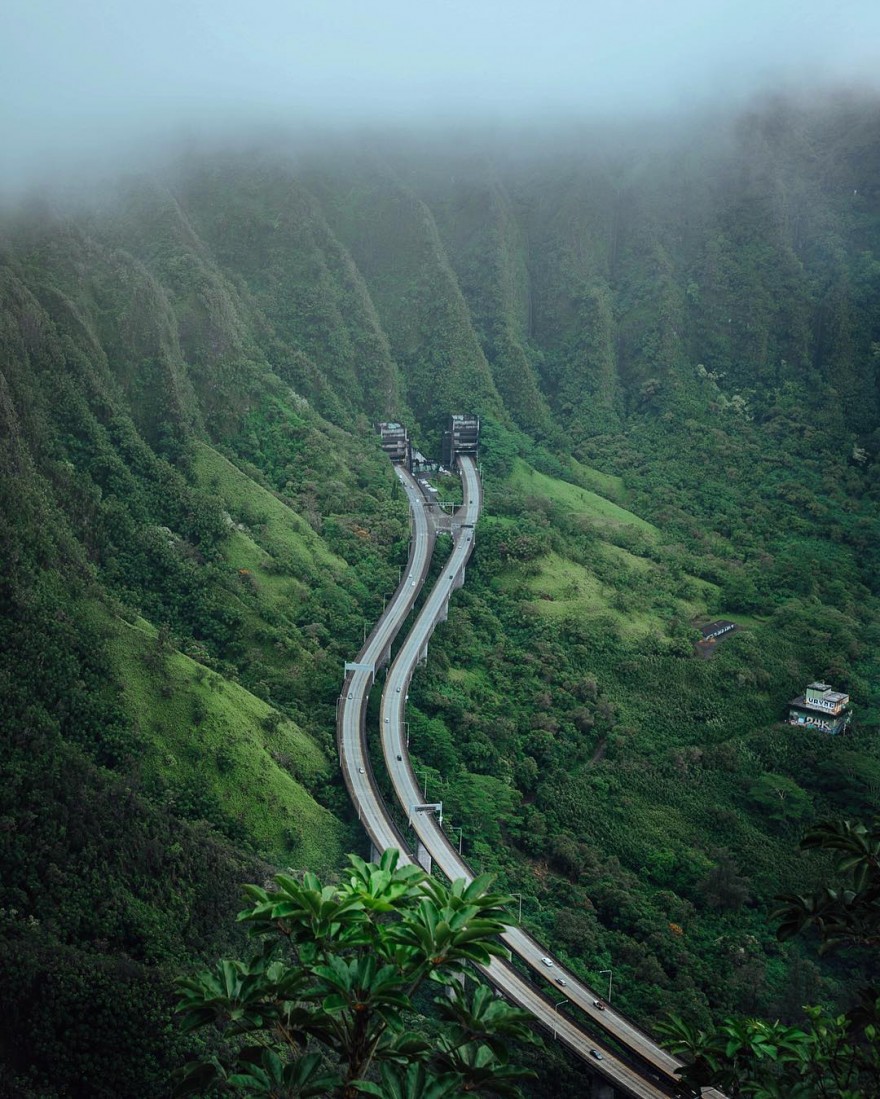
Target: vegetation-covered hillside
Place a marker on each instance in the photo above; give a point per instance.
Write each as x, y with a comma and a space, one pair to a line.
674, 348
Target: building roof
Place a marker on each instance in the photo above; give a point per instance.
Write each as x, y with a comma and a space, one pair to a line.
802, 704
715, 627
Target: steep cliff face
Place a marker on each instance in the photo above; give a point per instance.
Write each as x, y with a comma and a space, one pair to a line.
393, 238
598, 276
588, 282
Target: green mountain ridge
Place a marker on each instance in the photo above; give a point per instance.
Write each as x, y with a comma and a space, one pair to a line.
674, 352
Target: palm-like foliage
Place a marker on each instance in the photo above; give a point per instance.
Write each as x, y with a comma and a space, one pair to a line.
482, 1017
337, 969
848, 915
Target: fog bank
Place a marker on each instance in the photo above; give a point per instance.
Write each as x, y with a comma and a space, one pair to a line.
99, 81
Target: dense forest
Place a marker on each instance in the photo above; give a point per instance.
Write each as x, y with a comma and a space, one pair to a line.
673, 342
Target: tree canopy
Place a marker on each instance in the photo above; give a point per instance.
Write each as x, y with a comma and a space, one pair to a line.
330, 1002
829, 1055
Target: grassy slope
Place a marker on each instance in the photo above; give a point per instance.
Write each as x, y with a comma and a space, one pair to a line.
282, 533
560, 587
580, 500
209, 740
272, 549
606, 484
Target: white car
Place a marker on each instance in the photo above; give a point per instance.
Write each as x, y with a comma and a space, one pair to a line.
547, 962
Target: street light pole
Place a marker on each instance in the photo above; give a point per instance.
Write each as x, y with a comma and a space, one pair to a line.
453, 828
556, 1008
610, 974
519, 918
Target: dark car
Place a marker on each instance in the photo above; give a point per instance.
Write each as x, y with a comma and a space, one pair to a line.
595, 1053
400, 758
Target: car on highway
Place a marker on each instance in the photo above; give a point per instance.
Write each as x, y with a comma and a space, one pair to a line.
561, 981
400, 759
599, 1004
547, 962
595, 1053
398, 690
361, 771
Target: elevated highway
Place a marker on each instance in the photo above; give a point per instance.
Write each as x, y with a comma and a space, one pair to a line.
351, 709
644, 1070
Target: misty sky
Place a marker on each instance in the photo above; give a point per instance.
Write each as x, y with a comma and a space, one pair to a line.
91, 76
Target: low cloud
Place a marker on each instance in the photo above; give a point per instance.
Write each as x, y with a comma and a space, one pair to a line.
93, 83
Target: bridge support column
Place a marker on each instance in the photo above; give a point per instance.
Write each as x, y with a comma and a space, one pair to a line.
423, 857
375, 853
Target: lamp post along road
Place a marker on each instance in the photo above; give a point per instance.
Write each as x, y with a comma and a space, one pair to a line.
556, 1008
519, 898
453, 828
